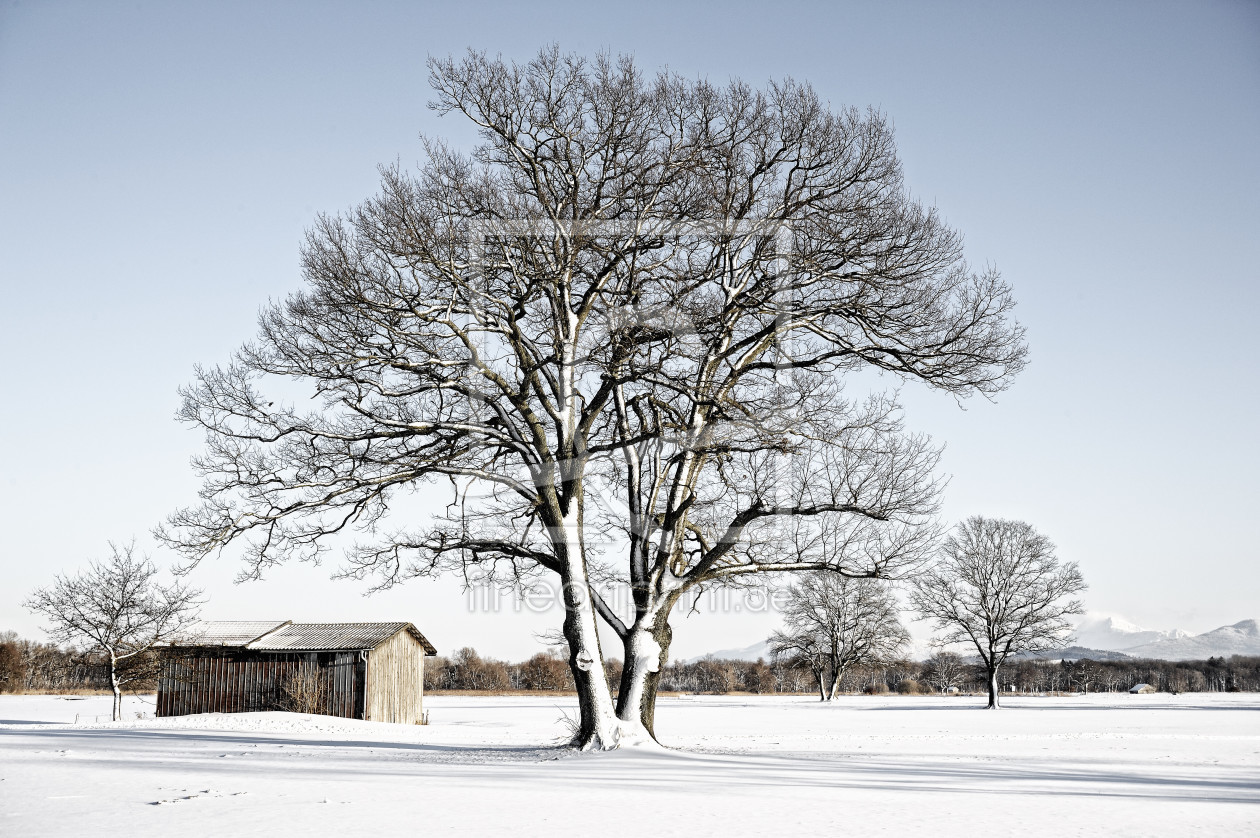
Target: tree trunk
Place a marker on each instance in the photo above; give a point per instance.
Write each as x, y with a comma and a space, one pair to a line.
646, 653
835, 683
599, 729
993, 690
821, 678
116, 687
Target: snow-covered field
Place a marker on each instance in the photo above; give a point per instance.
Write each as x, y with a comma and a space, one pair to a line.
1115, 765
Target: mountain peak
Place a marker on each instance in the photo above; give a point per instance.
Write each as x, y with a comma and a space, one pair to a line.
1247, 627
1114, 633
1122, 625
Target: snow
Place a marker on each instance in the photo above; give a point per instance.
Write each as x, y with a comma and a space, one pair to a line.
1116, 764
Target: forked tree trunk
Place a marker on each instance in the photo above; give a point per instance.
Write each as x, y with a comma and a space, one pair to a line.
993, 690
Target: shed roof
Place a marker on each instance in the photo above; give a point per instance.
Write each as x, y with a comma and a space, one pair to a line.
312, 637
228, 632
288, 636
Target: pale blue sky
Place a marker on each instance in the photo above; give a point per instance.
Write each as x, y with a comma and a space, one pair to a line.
159, 161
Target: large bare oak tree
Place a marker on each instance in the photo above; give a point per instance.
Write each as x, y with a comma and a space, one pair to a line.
629, 311
999, 588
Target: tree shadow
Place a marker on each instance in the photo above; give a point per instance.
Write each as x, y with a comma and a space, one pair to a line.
644, 770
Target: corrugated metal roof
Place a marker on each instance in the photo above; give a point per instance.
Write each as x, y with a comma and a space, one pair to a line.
286, 636
310, 637
228, 632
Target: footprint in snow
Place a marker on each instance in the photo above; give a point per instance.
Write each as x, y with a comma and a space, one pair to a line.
202, 793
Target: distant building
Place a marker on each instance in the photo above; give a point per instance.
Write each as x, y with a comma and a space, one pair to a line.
1138, 689
371, 671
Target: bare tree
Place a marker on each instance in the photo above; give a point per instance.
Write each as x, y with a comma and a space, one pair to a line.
999, 587
944, 670
1083, 673
628, 311
116, 607
545, 671
832, 622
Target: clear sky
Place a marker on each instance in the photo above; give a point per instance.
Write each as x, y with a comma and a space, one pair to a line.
159, 162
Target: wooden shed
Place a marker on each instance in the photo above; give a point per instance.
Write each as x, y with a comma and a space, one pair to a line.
371, 671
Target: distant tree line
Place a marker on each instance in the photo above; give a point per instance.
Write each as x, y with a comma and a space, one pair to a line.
1218, 674
548, 671
943, 672
467, 670
31, 666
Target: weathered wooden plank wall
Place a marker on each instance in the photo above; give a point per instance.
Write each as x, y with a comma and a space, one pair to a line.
244, 682
395, 681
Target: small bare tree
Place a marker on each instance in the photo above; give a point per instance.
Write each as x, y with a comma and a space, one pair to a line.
944, 670
116, 607
999, 587
1082, 673
833, 622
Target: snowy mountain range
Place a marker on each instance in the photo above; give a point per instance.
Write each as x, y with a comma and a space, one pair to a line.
1119, 635
757, 651
1242, 638
1109, 633
1115, 634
